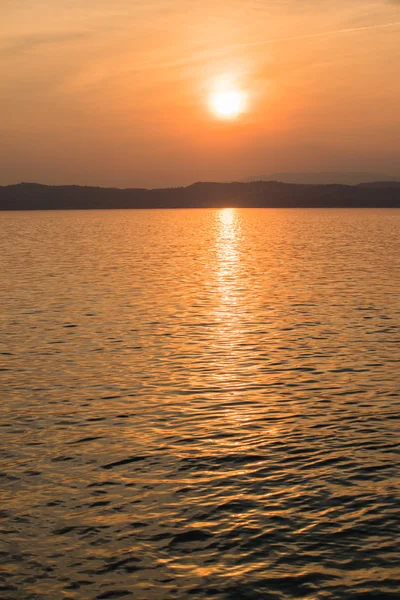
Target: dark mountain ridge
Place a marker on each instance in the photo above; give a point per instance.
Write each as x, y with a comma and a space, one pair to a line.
257, 194
324, 178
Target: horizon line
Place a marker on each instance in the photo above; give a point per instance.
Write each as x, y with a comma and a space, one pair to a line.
177, 187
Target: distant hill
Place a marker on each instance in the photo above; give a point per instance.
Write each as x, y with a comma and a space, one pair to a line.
323, 178
381, 184
272, 194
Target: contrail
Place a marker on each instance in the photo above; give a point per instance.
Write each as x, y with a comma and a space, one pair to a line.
316, 35
208, 54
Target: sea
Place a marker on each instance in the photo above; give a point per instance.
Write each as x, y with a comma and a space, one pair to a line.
200, 404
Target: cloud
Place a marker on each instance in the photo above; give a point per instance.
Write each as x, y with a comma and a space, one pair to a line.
208, 54
323, 34
19, 44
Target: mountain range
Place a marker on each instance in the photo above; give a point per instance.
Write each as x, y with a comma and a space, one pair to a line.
261, 194
341, 178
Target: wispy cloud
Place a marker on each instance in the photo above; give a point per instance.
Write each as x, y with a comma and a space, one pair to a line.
215, 52
25, 43
320, 35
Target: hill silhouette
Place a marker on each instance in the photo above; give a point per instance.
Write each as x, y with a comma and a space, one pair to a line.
262, 194
323, 178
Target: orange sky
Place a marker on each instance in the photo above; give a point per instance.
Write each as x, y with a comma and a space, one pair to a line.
116, 93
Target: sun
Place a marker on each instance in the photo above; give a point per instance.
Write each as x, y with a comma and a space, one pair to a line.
227, 104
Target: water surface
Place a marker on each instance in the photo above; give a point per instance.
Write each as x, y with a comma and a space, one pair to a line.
200, 404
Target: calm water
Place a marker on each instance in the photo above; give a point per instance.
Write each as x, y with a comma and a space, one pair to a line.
200, 404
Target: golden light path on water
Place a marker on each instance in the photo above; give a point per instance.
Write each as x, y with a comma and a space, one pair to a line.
233, 311
228, 254
227, 244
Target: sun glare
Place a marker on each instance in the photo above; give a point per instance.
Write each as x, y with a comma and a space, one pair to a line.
227, 104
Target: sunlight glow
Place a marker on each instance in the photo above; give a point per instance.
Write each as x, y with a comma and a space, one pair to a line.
227, 104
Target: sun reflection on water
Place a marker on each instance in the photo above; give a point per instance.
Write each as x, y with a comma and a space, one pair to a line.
228, 309
228, 256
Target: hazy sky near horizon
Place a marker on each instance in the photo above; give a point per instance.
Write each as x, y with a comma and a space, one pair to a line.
116, 93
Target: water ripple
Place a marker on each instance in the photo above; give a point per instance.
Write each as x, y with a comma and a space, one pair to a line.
200, 404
